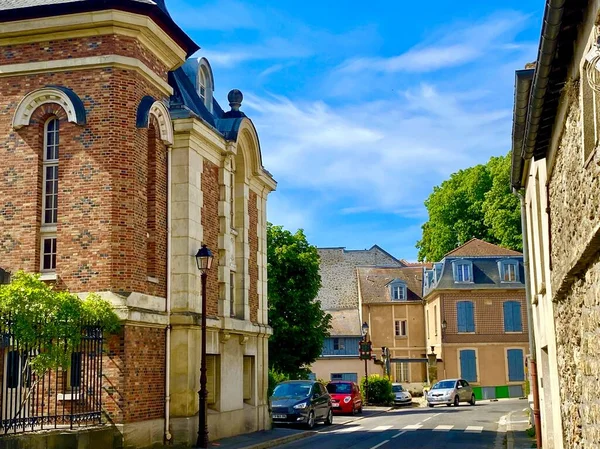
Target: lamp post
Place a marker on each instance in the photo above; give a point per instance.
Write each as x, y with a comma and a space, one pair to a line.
204, 260
365, 332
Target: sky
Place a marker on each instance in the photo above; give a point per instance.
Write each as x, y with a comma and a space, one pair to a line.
363, 107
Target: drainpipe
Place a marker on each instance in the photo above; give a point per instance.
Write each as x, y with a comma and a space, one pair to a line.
532, 361
168, 435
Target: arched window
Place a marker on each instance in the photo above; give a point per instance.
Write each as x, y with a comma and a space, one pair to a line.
202, 84
49, 195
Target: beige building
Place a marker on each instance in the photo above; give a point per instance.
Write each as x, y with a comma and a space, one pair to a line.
556, 162
392, 306
475, 318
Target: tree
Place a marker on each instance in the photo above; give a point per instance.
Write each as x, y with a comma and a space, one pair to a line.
475, 202
299, 324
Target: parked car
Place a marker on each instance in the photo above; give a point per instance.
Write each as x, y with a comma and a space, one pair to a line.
301, 402
450, 392
345, 397
401, 396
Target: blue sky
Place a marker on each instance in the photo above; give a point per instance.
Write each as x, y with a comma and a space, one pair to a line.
363, 107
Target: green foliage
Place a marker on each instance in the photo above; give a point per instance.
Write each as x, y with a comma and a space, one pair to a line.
52, 318
299, 324
474, 203
274, 379
378, 391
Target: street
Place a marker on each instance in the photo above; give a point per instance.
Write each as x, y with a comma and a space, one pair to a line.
442, 427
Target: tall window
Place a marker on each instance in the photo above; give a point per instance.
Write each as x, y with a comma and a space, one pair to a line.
465, 316
151, 264
202, 84
462, 272
435, 320
50, 195
402, 372
400, 328
512, 316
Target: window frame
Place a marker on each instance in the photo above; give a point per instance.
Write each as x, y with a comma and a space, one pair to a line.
457, 267
468, 329
502, 268
399, 327
49, 228
398, 286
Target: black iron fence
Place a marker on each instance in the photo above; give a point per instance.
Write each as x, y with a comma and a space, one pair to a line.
58, 398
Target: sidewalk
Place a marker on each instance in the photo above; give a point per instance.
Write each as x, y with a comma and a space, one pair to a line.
516, 435
282, 435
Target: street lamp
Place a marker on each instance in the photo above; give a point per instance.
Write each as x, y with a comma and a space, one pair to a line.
204, 260
365, 332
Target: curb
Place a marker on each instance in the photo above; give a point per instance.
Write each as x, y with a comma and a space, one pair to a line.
282, 440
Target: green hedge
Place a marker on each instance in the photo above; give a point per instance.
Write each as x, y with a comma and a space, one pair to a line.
379, 390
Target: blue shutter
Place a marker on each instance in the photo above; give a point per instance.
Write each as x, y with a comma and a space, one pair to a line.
470, 317
516, 372
468, 367
462, 316
508, 317
328, 346
517, 324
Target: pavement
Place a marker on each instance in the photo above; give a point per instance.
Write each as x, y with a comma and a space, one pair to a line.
517, 424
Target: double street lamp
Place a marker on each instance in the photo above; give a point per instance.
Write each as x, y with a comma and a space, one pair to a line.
204, 260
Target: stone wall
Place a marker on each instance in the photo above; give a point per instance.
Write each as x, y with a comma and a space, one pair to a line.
574, 196
339, 288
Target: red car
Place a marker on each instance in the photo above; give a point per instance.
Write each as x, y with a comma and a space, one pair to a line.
345, 397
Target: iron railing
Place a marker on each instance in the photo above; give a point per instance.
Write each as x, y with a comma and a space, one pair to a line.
59, 398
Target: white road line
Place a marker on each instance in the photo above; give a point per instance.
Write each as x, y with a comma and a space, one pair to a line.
443, 428
474, 429
380, 428
380, 444
427, 419
350, 429
412, 427
399, 433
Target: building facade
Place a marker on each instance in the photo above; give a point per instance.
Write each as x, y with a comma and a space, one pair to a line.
555, 164
118, 164
475, 318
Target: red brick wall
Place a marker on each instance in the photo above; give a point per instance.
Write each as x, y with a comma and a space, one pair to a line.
210, 225
253, 259
81, 48
489, 316
102, 193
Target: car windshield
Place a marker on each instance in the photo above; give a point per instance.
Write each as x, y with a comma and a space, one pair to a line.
295, 390
339, 388
444, 384
397, 388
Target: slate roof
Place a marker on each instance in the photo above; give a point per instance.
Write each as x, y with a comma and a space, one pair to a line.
156, 9
477, 247
345, 323
374, 283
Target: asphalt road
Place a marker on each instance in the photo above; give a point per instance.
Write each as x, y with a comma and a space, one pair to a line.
463, 427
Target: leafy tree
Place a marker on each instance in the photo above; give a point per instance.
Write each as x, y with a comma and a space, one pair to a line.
299, 324
475, 202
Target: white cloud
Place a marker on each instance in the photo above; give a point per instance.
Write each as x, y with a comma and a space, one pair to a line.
269, 49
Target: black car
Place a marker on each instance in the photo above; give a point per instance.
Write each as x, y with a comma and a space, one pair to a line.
301, 402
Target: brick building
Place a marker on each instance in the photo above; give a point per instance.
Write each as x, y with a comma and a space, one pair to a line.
117, 164
475, 318
556, 163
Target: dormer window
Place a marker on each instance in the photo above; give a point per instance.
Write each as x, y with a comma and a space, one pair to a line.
463, 271
398, 290
202, 85
206, 85
509, 270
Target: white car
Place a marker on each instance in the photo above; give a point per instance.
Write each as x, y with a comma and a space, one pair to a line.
401, 396
450, 392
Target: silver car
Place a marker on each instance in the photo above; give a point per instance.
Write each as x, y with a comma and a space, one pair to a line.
401, 396
450, 392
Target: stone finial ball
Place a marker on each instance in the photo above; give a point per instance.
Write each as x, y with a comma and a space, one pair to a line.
235, 96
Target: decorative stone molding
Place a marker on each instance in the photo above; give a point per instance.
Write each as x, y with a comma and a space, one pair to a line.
225, 337
65, 98
243, 339
147, 107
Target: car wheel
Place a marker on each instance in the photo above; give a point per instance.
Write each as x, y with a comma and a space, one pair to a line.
329, 419
456, 401
354, 409
360, 409
472, 401
429, 405
311, 420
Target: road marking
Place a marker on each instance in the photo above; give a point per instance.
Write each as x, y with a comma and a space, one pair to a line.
380, 428
380, 444
412, 427
427, 419
474, 429
350, 429
399, 433
443, 428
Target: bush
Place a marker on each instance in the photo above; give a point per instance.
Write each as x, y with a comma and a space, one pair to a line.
378, 391
274, 379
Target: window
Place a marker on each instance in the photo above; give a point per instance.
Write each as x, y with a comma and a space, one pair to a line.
202, 84
49, 195
512, 316
468, 365
151, 224
516, 371
248, 377
74, 371
398, 291
402, 372
465, 315
232, 293
338, 344
212, 378
427, 325
435, 320
462, 272
400, 326
509, 271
